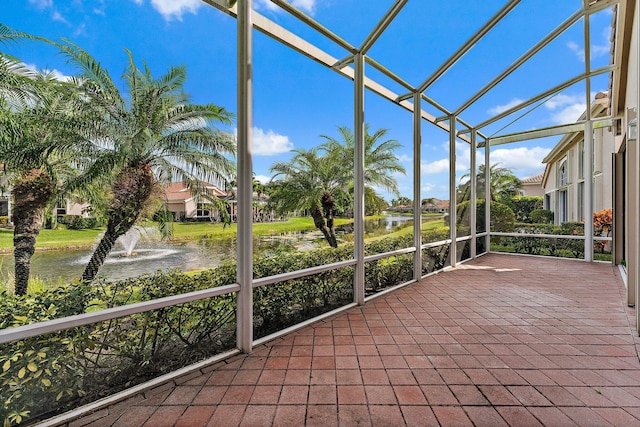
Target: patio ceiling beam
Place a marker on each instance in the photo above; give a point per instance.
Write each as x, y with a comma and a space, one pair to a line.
543, 95
548, 131
381, 26
315, 25
468, 44
384, 70
287, 38
524, 58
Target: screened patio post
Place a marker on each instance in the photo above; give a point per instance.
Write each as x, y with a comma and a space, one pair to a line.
244, 315
453, 256
473, 193
487, 193
588, 190
417, 205
588, 143
359, 135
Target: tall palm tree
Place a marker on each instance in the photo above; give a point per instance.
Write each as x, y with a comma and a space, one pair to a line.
503, 184
37, 151
310, 182
150, 135
380, 160
321, 179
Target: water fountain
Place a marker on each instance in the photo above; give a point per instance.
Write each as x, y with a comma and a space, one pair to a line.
129, 240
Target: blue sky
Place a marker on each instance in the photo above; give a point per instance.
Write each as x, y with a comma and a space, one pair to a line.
296, 100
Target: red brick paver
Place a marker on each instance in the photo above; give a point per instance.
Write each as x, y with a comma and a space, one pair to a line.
502, 340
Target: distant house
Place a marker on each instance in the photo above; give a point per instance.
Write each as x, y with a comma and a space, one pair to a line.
564, 175
182, 203
438, 206
532, 186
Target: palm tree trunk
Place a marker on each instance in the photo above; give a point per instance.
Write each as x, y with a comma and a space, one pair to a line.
99, 255
31, 192
131, 193
320, 223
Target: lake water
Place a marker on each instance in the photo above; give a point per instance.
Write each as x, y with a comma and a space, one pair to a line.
67, 265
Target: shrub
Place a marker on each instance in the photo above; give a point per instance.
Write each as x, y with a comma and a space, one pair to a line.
541, 216
523, 206
502, 217
77, 222
4, 220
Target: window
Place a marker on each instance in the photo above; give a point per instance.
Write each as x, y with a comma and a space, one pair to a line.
563, 172
4, 208
581, 159
203, 210
580, 200
563, 206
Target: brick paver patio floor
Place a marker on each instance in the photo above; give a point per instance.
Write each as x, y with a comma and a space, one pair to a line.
502, 340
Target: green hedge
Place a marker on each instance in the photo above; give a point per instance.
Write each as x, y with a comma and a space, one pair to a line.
566, 248
4, 220
77, 222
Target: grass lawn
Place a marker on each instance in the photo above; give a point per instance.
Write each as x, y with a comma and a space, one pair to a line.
182, 231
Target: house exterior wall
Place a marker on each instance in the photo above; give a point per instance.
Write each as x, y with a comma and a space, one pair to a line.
565, 186
535, 190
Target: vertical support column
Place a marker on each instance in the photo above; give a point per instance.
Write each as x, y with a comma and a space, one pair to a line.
473, 193
588, 143
417, 206
453, 255
244, 315
588, 190
487, 192
358, 212
635, 281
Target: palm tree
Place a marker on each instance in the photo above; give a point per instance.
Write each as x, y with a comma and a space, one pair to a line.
503, 184
321, 180
151, 135
310, 182
380, 161
37, 151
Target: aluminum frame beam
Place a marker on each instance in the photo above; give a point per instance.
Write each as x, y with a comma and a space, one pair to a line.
501, 14
548, 131
244, 317
524, 58
543, 95
358, 164
381, 26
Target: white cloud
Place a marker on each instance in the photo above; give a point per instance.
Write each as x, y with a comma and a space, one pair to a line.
403, 158
575, 48
502, 108
566, 108
41, 4
171, 9
432, 168
262, 178
81, 30
597, 50
269, 143
308, 6
523, 161
55, 73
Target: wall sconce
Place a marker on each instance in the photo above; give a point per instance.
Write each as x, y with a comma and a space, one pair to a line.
632, 130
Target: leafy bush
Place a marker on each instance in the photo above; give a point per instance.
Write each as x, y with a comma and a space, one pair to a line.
77, 222
502, 217
541, 216
523, 206
4, 220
